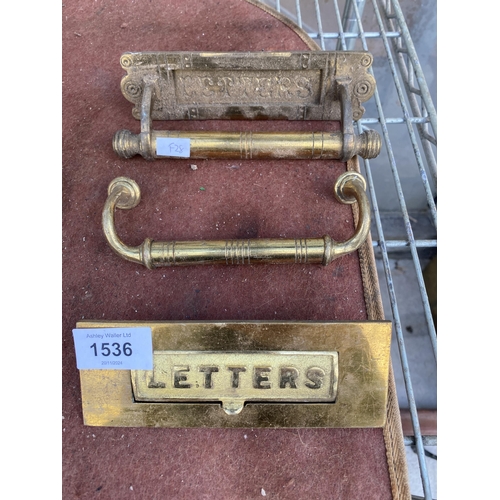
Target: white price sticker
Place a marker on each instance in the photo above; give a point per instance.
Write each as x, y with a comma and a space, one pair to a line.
173, 146
113, 348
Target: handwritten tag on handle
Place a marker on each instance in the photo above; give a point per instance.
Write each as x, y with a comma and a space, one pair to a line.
173, 146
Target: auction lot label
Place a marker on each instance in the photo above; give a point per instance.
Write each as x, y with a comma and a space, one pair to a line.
113, 348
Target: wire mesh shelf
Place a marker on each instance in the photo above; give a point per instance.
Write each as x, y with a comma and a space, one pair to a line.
402, 187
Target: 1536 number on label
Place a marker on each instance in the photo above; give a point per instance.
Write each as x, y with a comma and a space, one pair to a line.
116, 349
113, 348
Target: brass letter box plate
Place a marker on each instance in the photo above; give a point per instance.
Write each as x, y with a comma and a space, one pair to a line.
317, 85
247, 85
247, 374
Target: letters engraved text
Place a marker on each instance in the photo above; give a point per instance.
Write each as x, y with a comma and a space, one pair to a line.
239, 377
300, 87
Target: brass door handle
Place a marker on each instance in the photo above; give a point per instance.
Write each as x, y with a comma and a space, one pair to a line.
253, 145
124, 193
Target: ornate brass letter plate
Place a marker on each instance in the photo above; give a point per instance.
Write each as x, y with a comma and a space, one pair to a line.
322, 85
247, 374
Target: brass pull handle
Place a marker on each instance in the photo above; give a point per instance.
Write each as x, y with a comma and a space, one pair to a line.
254, 145
124, 193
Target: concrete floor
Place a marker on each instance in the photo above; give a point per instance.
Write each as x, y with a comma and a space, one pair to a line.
421, 359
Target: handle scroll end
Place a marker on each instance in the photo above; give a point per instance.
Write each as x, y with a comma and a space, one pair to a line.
351, 188
347, 185
127, 192
123, 193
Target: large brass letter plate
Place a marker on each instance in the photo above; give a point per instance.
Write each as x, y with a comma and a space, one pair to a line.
247, 374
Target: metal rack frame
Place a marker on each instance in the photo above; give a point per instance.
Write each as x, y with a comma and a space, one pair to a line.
418, 119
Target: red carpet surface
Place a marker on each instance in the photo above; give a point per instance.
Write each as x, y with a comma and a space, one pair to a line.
218, 200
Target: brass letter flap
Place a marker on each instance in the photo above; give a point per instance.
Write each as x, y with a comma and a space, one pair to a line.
318, 85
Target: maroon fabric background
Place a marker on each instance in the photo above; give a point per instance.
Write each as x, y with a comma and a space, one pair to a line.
240, 199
